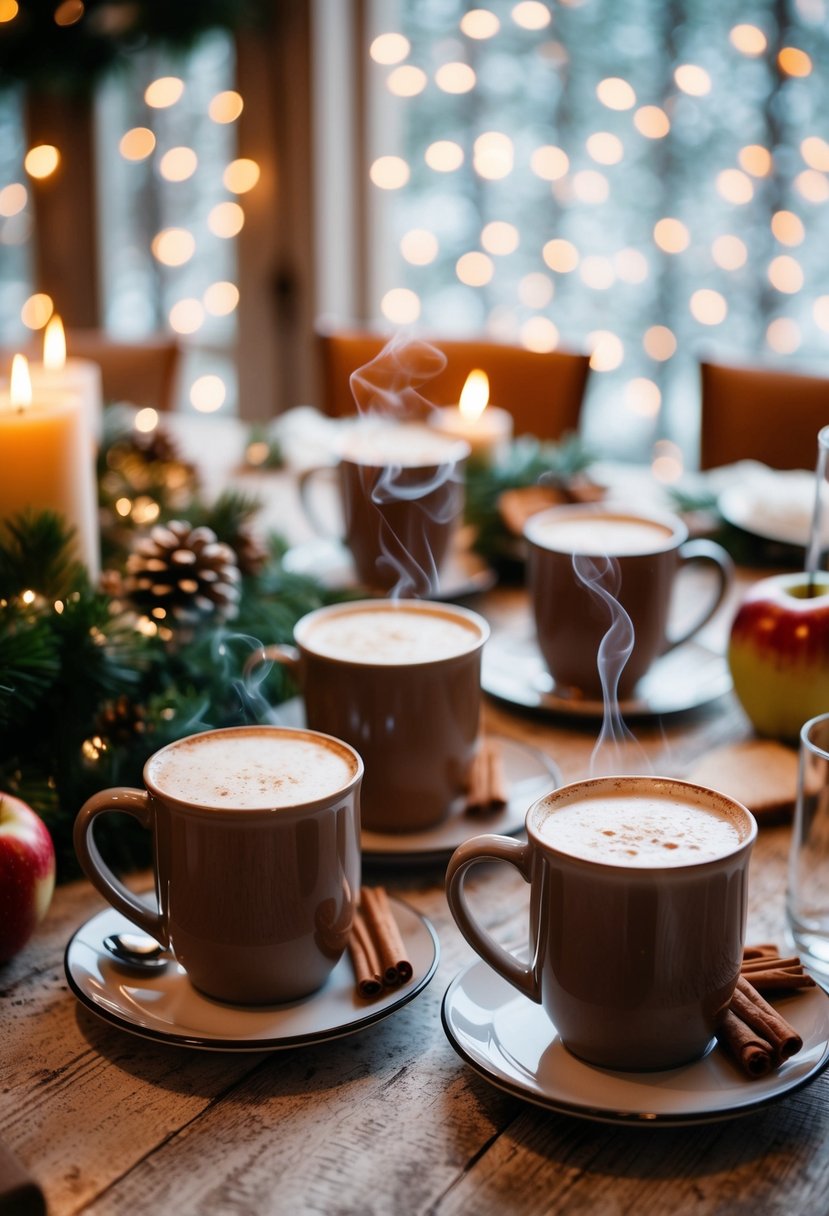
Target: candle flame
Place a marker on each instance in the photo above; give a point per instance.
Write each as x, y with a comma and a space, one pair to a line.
54, 344
20, 385
474, 396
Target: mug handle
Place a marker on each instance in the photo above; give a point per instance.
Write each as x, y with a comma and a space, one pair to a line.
705, 551
470, 853
279, 652
130, 802
306, 500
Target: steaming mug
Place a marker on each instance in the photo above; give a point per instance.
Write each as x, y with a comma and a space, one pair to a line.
401, 495
400, 680
638, 890
572, 581
256, 845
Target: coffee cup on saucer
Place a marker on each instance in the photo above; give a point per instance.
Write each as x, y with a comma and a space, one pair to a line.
256, 845
400, 680
638, 889
401, 495
584, 557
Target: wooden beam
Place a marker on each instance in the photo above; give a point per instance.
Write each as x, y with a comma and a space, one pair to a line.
66, 243
276, 269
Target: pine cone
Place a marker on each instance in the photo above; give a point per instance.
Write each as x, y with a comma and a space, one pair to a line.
120, 721
182, 575
156, 445
251, 553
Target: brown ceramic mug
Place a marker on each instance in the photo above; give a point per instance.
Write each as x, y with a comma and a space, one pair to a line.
401, 494
647, 550
637, 915
256, 837
400, 680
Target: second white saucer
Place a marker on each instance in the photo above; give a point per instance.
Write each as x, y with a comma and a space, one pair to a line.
510, 1041
685, 678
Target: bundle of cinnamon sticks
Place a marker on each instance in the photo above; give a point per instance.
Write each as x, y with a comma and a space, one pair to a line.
751, 1030
376, 948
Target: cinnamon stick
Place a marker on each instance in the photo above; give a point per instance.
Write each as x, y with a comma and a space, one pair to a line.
395, 966
749, 1049
487, 783
759, 951
769, 960
751, 1008
364, 958
767, 970
779, 980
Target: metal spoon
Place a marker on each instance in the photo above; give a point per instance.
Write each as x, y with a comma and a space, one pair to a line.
138, 950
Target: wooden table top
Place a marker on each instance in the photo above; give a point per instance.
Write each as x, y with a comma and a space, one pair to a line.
390, 1119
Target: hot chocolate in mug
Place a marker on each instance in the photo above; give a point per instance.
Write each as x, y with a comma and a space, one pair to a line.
401, 490
400, 680
638, 891
580, 556
256, 842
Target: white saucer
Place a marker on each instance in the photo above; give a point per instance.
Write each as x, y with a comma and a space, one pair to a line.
774, 505
329, 562
528, 774
686, 678
510, 1041
165, 1007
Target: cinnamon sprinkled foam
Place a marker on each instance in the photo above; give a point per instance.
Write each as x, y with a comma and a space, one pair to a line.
250, 770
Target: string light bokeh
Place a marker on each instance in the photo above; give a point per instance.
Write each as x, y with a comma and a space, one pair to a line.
588, 175
170, 199
577, 174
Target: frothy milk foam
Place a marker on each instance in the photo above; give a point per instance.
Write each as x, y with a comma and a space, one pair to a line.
390, 635
640, 830
615, 535
407, 445
250, 770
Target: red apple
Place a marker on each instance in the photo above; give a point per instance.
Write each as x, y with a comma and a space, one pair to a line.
779, 653
27, 873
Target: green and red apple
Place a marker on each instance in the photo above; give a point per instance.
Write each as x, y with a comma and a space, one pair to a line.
27, 874
779, 653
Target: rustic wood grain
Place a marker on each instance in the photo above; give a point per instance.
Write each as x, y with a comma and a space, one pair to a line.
389, 1120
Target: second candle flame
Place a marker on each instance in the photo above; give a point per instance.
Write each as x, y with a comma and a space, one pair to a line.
54, 344
474, 395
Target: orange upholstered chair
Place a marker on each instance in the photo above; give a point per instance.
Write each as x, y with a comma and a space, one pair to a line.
761, 414
141, 372
543, 392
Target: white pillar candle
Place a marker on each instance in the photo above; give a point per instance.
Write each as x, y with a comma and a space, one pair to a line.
80, 377
47, 462
486, 428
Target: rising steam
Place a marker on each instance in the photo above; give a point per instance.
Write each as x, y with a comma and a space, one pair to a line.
388, 388
602, 578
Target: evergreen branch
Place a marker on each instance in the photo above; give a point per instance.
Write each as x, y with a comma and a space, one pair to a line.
36, 555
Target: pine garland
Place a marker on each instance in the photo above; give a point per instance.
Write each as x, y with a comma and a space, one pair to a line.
90, 687
530, 462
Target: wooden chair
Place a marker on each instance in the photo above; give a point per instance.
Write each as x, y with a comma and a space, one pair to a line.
141, 372
543, 392
761, 414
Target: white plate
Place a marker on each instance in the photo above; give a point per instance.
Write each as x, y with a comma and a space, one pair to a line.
686, 678
528, 774
166, 1007
510, 1041
776, 506
329, 561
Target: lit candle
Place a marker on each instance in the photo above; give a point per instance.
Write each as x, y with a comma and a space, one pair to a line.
81, 377
46, 461
486, 428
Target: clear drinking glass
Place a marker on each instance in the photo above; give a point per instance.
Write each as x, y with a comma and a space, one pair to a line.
807, 900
